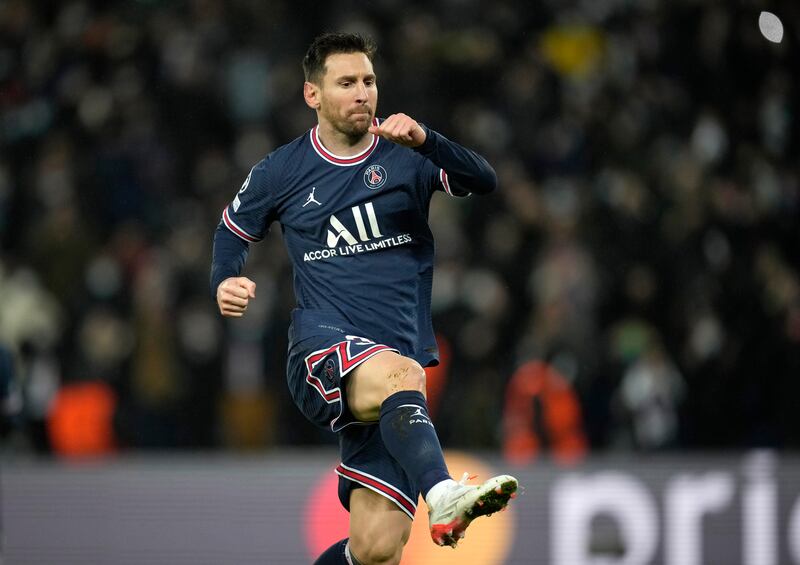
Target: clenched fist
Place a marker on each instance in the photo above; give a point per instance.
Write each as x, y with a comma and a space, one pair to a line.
233, 294
401, 129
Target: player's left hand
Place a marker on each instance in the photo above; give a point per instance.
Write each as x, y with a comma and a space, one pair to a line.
401, 129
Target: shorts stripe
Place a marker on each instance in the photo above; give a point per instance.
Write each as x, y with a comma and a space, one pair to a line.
347, 363
381, 487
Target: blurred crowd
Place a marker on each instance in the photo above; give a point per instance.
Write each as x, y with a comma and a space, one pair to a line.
642, 246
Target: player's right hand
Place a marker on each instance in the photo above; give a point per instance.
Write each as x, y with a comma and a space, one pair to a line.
233, 294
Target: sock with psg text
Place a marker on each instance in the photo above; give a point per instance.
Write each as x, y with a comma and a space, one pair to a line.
410, 437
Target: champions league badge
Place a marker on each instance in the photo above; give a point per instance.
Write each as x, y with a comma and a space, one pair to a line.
374, 177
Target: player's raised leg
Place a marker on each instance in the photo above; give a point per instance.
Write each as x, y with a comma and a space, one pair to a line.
391, 388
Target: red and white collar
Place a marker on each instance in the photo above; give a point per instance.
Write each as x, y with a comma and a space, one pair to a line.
337, 159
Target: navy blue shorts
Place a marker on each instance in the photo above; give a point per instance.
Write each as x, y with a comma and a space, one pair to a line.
316, 369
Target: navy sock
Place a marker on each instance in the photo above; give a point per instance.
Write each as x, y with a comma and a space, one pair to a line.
410, 437
334, 555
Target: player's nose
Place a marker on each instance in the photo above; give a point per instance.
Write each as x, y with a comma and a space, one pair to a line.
361, 92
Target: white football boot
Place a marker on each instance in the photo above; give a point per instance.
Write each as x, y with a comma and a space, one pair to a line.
452, 506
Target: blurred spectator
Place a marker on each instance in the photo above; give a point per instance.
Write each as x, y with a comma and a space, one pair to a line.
650, 395
10, 397
80, 422
542, 415
436, 377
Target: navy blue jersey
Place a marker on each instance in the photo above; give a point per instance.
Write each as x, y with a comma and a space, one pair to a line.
356, 230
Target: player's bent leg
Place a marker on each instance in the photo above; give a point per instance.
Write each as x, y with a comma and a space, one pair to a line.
392, 388
378, 529
378, 378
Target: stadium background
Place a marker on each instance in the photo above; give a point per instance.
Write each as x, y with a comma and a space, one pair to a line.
641, 255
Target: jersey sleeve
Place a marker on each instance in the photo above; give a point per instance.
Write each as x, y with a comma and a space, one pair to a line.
252, 210
456, 170
435, 178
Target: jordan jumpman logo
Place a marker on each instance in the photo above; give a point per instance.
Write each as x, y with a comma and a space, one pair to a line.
312, 199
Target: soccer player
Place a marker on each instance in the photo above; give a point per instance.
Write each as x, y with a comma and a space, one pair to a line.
352, 197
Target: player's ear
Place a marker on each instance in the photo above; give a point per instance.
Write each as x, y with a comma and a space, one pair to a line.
311, 95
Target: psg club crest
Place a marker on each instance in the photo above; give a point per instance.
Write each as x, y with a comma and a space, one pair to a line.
375, 177
329, 369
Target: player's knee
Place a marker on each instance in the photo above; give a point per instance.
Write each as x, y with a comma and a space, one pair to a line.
377, 548
406, 374
375, 382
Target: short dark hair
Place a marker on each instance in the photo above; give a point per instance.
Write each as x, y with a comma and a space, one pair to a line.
330, 44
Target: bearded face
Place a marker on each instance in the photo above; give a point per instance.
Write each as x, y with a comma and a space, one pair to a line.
348, 95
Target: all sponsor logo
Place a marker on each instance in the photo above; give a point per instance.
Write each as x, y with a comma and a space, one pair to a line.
342, 233
367, 235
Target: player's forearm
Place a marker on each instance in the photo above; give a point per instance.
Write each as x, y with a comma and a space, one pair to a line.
228, 257
467, 170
